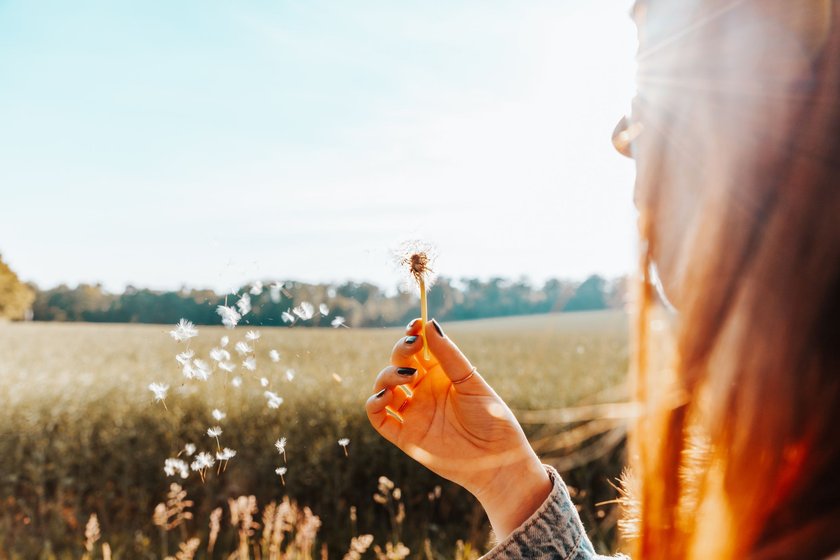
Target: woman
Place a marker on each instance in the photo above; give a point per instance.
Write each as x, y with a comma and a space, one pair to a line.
736, 445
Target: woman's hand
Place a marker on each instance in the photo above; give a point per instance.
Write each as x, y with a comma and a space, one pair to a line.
463, 431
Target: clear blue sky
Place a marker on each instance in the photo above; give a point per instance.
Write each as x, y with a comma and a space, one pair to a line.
210, 143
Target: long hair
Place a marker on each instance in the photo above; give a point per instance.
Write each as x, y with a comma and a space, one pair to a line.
736, 448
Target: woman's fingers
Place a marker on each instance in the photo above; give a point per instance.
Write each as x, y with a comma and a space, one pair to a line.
405, 349
457, 367
380, 415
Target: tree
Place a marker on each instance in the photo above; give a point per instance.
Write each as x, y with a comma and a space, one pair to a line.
589, 295
15, 297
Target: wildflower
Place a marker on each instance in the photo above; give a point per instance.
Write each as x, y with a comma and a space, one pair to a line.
253, 336
256, 288
227, 366
184, 330
219, 354
287, 317
290, 374
236, 381
274, 355
281, 471
215, 431
224, 341
201, 369
159, 389
305, 310
337, 322
176, 466
280, 444
344, 442
184, 357
218, 415
243, 348
230, 316
244, 304
189, 449
250, 363
264, 381
274, 400
323, 309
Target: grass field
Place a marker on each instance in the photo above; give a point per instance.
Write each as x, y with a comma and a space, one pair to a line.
81, 434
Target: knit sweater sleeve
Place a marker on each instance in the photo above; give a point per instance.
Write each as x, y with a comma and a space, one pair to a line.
554, 531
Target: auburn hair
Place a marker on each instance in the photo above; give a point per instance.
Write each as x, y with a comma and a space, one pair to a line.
736, 447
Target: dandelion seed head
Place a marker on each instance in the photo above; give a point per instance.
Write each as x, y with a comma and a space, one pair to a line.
201, 369
189, 449
416, 258
188, 371
256, 288
215, 431
337, 322
274, 292
281, 470
243, 347
159, 389
344, 442
274, 400
236, 381
224, 341
202, 461
305, 310
225, 454
287, 317
184, 357
253, 336
290, 374
184, 330
280, 444
244, 304
274, 355
250, 363
323, 309
227, 366
218, 415
175, 466
230, 316
219, 354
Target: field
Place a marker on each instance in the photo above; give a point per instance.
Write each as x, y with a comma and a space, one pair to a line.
81, 434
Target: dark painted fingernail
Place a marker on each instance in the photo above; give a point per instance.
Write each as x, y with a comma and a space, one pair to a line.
411, 324
437, 327
380, 393
410, 339
406, 371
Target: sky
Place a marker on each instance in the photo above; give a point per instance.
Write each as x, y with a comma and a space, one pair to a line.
210, 144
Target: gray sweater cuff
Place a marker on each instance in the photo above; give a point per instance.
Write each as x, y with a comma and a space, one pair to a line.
554, 531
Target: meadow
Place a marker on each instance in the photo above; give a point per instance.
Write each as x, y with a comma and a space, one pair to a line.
81, 434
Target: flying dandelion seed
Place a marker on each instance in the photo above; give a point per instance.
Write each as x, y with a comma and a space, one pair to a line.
290, 374
264, 381
218, 415
184, 330
184, 357
344, 442
305, 310
323, 309
227, 366
230, 316
337, 322
280, 444
417, 259
159, 389
253, 336
244, 304
223, 342
287, 317
236, 381
274, 400
282, 472
256, 288
176, 466
274, 355
243, 348
250, 363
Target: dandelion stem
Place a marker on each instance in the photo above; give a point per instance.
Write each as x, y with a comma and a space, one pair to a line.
424, 315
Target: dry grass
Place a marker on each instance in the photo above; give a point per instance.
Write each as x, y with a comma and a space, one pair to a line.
80, 433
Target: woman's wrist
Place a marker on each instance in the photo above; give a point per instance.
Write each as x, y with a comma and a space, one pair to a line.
517, 491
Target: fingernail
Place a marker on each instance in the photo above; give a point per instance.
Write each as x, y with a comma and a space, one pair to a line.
410, 339
411, 324
437, 327
406, 371
380, 393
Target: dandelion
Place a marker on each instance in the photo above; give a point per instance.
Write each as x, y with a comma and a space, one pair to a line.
264, 381
188, 371
225, 455
218, 415
338, 322
274, 292
189, 449
230, 316
184, 330
323, 309
243, 348
176, 466
224, 341
274, 355
305, 310
280, 444
202, 462
344, 442
253, 336
274, 400
201, 369
236, 381
256, 288
184, 357
290, 374
287, 317
281, 471
219, 354
244, 304
250, 363
215, 432
417, 258
159, 389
